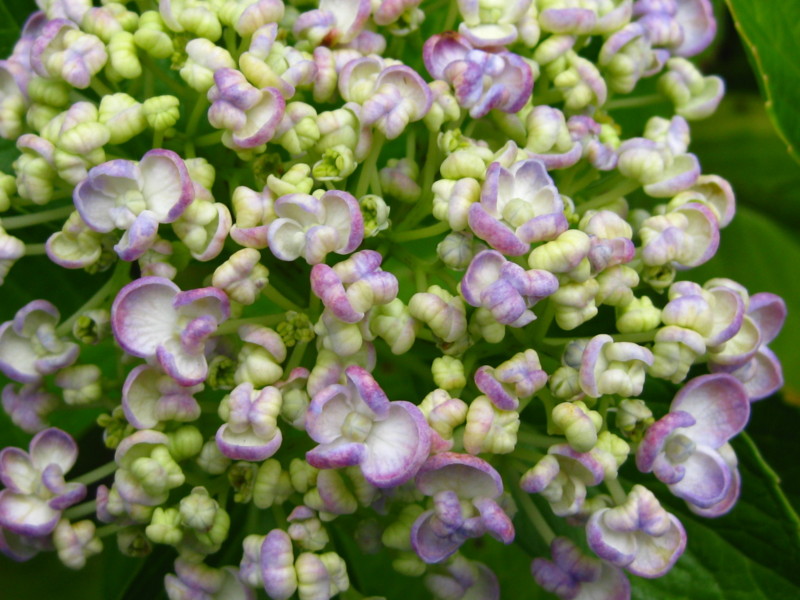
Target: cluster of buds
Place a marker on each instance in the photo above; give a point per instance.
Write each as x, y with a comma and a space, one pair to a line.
205, 162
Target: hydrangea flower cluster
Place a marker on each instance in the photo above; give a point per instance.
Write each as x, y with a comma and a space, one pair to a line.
389, 267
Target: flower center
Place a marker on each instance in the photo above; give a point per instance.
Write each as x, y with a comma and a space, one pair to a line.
356, 427
679, 448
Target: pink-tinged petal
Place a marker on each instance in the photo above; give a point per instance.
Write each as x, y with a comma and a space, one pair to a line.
327, 413
441, 50
27, 514
696, 18
487, 383
466, 475
247, 445
277, 565
762, 375
397, 446
652, 445
184, 367
262, 120
497, 235
166, 185
146, 400
719, 404
656, 558
727, 503
707, 478
768, 311
344, 215
142, 316
498, 525
429, 546
337, 454
127, 451
138, 238
327, 285
105, 185
369, 390
53, 447
17, 472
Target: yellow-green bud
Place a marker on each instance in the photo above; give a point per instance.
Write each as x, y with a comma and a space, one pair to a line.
448, 373
48, 91
152, 36
296, 180
211, 460
638, 316
409, 564
185, 442
579, 424
303, 476
161, 112
122, 54
165, 526
123, 116
272, 484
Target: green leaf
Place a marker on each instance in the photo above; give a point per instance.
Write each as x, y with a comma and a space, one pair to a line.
770, 31
9, 30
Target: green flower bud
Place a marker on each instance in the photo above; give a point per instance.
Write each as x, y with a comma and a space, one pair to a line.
152, 35
242, 477
309, 534
123, 116
337, 571
80, 384
201, 21
161, 112
448, 373
8, 187
296, 180
133, 542
303, 135
398, 534
463, 163
336, 164
198, 510
302, 475
75, 542
482, 324
638, 316
115, 427
48, 91
185, 442
376, 214
92, 327
409, 564
272, 484
211, 460
201, 171
165, 527
122, 55
157, 473
611, 451
633, 418
579, 424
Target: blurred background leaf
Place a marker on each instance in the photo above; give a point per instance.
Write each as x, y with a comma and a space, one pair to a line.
771, 31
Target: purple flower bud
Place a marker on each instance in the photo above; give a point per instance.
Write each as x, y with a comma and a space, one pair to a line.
251, 431
62, 50
521, 376
464, 489
573, 576
638, 535
691, 23
356, 424
352, 287
277, 565
465, 579
153, 319
609, 367
505, 288
197, 580
483, 80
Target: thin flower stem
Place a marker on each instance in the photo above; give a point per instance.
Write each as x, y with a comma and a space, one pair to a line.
422, 207
369, 165
35, 249
97, 474
100, 88
109, 529
535, 517
419, 234
452, 15
635, 102
275, 296
538, 440
233, 325
626, 186
151, 67
119, 278
637, 338
296, 358
81, 510
10, 223
209, 139
196, 115
615, 489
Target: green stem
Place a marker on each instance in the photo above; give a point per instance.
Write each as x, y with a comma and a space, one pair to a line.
635, 102
97, 474
120, 276
419, 234
81, 510
537, 439
209, 139
295, 358
277, 298
37, 218
452, 15
422, 207
626, 186
535, 517
637, 338
110, 529
195, 116
35, 249
233, 325
615, 489
369, 165
151, 67
100, 88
